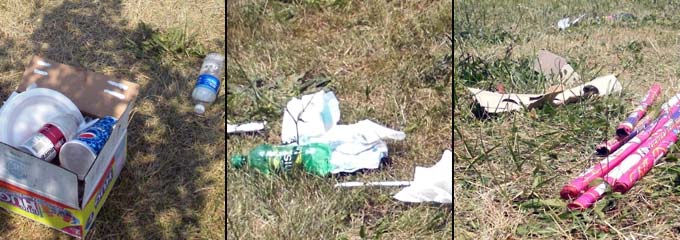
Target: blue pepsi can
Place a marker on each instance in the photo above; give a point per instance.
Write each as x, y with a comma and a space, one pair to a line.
79, 154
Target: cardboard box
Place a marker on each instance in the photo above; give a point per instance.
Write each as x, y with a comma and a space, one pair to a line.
47, 193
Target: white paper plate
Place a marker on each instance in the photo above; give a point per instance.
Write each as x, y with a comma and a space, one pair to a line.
24, 114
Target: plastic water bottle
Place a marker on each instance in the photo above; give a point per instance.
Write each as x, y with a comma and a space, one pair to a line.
314, 158
208, 82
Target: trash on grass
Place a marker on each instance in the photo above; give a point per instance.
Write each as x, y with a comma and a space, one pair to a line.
623, 168
636, 122
246, 127
313, 158
493, 102
433, 184
554, 66
564, 23
355, 146
309, 116
625, 127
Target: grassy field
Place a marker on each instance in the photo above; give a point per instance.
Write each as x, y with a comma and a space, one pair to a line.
173, 184
510, 168
387, 61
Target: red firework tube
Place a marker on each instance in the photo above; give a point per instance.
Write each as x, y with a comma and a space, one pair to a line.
613, 144
630, 177
574, 188
624, 129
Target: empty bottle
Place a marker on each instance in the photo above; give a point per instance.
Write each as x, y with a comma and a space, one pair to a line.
208, 82
313, 158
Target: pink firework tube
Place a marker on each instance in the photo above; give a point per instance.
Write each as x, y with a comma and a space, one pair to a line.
613, 144
579, 184
588, 198
630, 177
626, 127
661, 137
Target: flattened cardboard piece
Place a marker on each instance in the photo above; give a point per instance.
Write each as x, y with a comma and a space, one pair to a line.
568, 76
553, 66
495, 102
549, 63
600, 86
109, 97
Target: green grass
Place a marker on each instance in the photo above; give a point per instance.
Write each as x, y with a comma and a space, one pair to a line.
510, 168
385, 61
173, 185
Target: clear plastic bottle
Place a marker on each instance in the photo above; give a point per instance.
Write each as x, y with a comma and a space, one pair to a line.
208, 82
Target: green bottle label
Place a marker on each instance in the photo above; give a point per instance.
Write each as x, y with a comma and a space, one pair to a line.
285, 162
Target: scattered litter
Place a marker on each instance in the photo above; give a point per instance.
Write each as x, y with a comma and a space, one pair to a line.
430, 184
553, 67
625, 166
246, 127
355, 146
208, 83
433, 184
564, 23
495, 102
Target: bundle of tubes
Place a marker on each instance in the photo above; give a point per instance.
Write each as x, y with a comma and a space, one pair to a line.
641, 142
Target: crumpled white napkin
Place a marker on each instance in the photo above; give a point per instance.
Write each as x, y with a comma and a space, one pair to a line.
433, 184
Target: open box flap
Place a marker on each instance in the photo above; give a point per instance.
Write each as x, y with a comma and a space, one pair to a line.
46, 179
94, 93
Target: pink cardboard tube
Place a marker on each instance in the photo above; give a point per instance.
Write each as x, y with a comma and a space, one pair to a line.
613, 144
626, 127
588, 198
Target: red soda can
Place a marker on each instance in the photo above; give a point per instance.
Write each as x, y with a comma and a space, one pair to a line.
47, 142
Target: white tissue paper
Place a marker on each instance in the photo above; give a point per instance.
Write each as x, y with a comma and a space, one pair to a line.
354, 147
433, 184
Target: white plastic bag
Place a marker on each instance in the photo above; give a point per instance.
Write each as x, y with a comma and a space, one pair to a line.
314, 113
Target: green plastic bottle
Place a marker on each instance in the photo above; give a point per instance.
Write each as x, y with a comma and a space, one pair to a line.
314, 158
